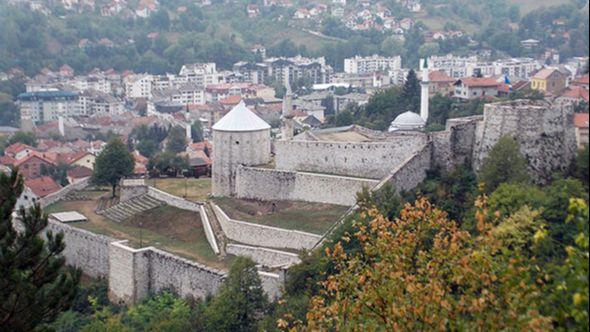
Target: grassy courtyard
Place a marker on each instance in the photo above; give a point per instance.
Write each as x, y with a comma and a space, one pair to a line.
303, 216
167, 228
195, 189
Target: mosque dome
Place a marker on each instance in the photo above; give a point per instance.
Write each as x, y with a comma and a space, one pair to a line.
407, 121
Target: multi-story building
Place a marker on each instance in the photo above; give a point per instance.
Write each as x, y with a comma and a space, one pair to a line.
455, 67
314, 69
92, 102
45, 106
138, 86
521, 68
251, 72
188, 94
371, 64
202, 74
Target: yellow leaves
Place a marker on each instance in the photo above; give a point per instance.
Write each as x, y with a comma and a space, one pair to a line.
362, 279
578, 299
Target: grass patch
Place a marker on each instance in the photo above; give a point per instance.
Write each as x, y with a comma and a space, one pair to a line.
195, 189
303, 216
168, 228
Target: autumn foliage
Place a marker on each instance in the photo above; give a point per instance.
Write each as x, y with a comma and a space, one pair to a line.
422, 272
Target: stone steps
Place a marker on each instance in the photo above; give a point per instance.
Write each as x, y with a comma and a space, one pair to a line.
127, 209
217, 231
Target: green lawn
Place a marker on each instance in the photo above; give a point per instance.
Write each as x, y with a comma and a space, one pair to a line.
303, 216
527, 6
167, 228
194, 189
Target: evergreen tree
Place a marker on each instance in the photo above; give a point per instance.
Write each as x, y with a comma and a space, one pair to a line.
34, 284
240, 302
503, 164
114, 163
411, 92
176, 140
197, 131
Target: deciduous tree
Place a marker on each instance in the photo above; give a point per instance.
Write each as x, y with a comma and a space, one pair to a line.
113, 164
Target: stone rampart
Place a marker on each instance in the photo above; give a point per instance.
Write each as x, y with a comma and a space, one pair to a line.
411, 172
264, 256
261, 235
172, 200
85, 250
543, 129
208, 230
270, 184
363, 159
272, 284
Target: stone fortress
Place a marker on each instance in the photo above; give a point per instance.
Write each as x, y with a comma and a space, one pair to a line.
332, 165
322, 166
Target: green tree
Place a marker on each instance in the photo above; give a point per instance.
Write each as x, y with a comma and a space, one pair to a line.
113, 164
504, 163
240, 302
35, 285
582, 169
510, 197
9, 112
28, 138
197, 131
176, 140
411, 92
147, 148
344, 118
168, 162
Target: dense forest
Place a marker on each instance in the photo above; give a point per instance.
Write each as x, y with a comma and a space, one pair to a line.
223, 33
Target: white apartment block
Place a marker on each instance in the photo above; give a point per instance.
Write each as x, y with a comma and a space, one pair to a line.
371, 64
45, 106
202, 74
189, 94
93, 102
457, 67
138, 86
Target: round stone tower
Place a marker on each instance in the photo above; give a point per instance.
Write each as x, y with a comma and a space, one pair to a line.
239, 138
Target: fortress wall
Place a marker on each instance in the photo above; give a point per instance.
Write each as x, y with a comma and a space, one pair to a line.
187, 278
367, 159
454, 146
264, 256
260, 235
411, 172
172, 200
544, 131
269, 184
85, 250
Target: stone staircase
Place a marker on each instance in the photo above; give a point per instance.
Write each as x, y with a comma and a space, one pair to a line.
124, 210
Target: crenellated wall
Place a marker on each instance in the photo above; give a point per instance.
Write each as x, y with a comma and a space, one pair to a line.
270, 184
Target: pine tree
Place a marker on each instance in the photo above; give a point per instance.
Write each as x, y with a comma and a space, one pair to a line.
411, 92
241, 300
114, 163
34, 284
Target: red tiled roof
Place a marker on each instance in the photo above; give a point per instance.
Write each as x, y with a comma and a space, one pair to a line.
576, 92
581, 80
231, 100
478, 81
17, 147
200, 146
35, 154
79, 172
581, 120
440, 76
42, 186
7, 160
544, 73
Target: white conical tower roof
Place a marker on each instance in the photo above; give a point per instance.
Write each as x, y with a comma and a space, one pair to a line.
240, 118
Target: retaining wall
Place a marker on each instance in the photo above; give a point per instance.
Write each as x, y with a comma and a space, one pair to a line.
264, 256
265, 236
270, 184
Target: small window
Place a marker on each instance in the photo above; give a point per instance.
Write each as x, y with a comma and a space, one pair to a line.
237, 142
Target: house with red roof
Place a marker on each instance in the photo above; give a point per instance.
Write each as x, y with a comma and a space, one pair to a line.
575, 94
581, 129
581, 81
18, 150
78, 173
440, 83
475, 87
31, 165
42, 186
